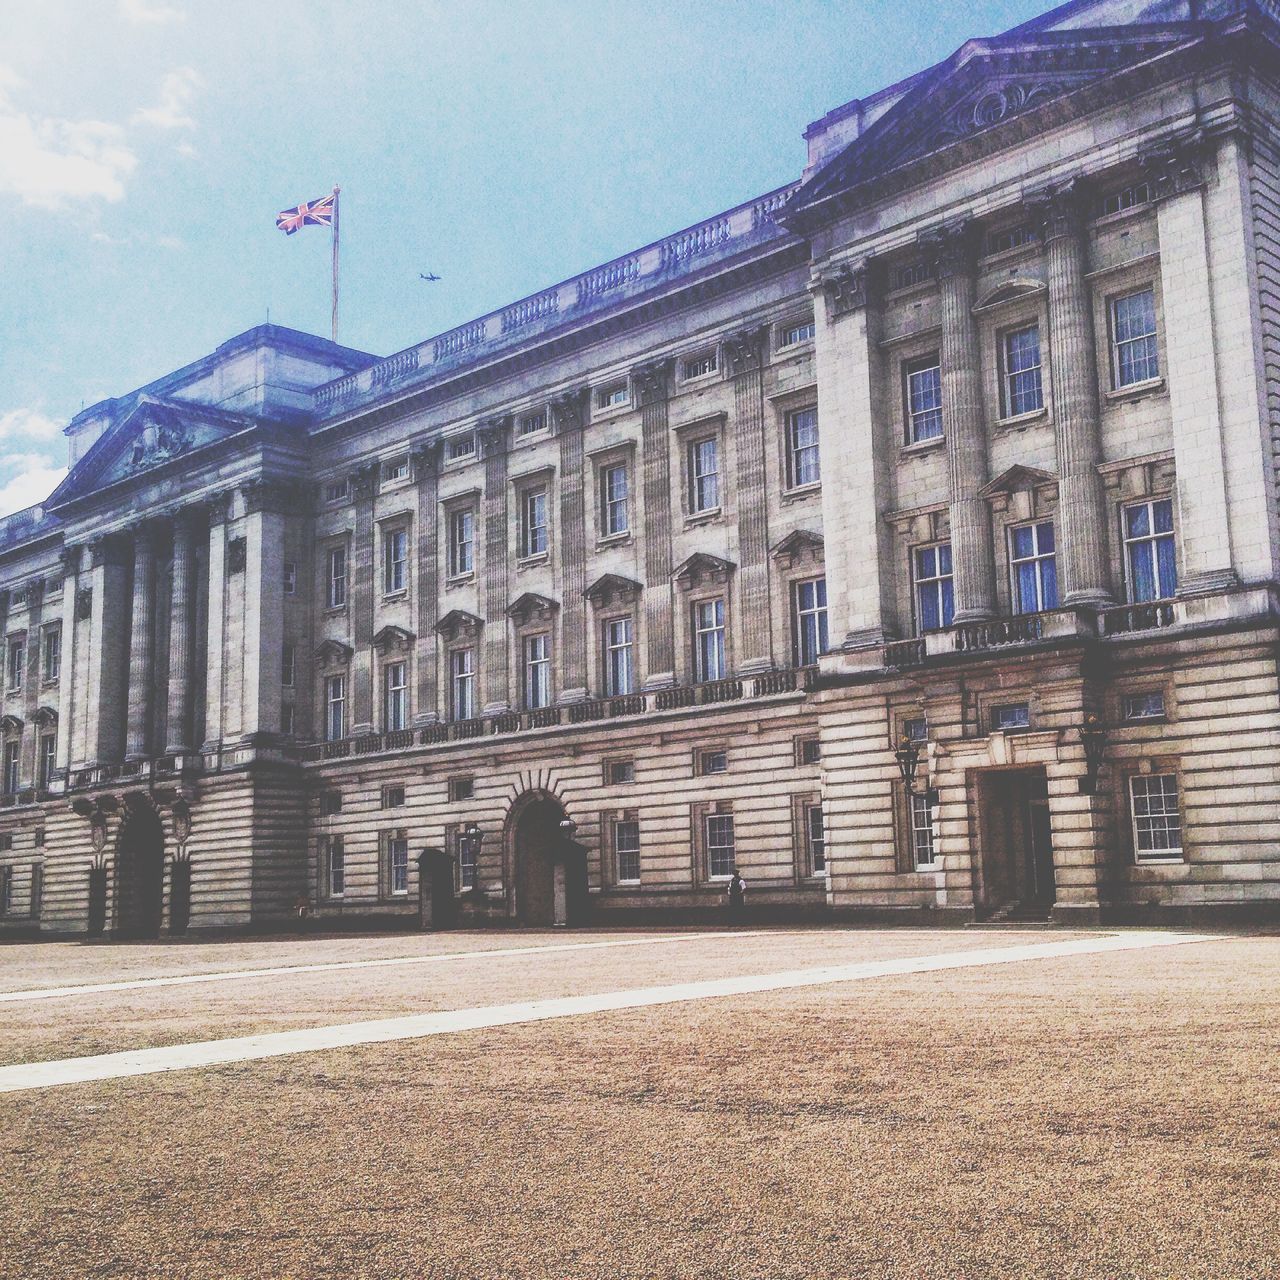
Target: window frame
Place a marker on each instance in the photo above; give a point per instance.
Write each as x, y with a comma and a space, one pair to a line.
535, 671
699, 481
395, 695
1152, 538
462, 680
51, 645
794, 451
912, 367
711, 849
395, 560
336, 576
610, 503
629, 819
1170, 853
940, 579
818, 612
608, 652
16, 663
534, 533
395, 842
335, 866
1037, 560
456, 518
335, 680
718, 628
1151, 339
1009, 411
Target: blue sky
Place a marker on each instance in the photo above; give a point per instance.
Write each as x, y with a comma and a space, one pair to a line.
146, 146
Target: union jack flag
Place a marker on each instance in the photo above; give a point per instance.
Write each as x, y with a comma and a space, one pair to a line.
310, 213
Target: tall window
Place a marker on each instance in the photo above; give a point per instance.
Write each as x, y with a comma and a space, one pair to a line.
335, 707
935, 596
290, 577
12, 755
1157, 822
1021, 388
398, 863
815, 839
537, 671
462, 543
533, 522
395, 696
51, 657
626, 850
708, 640
921, 816
923, 392
1149, 550
704, 475
810, 606
462, 684
720, 850
619, 672
1135, 352
395, 559
17, 661
288, 665
1035, 567
467, 855
336, 594
336, 867
48, 759
614, 496
803, 463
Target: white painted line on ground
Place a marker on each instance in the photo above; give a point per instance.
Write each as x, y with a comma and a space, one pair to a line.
233, 975
210, 1053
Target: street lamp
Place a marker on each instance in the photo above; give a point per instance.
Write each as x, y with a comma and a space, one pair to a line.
1093, 733
568, 828
908, 757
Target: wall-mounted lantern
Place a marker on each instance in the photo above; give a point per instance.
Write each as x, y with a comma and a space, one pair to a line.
1093, 733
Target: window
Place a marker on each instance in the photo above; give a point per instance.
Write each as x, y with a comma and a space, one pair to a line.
619, 673
1010, 238
914, 273
1157, 822
460, 447
6, 843
337, 490
462, 542
395, 697
1125, 198
398, 863
935, 596
809, 600
626, 850
330, 803
336, 867
808, 751
803, 463
612, 396
291, 577
720, 851
1149, 551
704, 475
6, 890
392, 797
288, 719
815, 842
37, 887
614, 495
51, 656
335, 707
17, 661
395, 469
713, 761
792, 334
708, 640
1143, 706
12, 756
532, 423
1135, 353
288, 665
533, 522
618, 772
1021, 385
462, 684
537, 671
468, 853
1035, 567
1013, 715
698, 366
395, 559
461, 789
923, 378
48, 761
336, 592
921, 830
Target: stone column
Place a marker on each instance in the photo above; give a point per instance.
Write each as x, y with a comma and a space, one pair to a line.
1082, 509
855, 462
215, 640
141, 645
362, 593
746, 352
569, 417
495, 676
426, 474
108, 650
178, 720
953, 250
652, 383
69, 716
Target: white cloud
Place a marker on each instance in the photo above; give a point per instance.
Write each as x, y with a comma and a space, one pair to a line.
176, 92
27, 425
30, 488
47, 162
146, 11
186, 151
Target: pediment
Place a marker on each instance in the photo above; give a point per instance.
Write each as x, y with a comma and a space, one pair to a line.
46, 717
10, 724
611, 587
702, 567
333, 653
532, 607
390, 638
798, 546
1017, 477
458, 622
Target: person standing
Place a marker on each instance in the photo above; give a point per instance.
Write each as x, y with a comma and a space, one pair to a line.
737, 896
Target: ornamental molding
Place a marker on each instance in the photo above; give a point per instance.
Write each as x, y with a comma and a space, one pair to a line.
333, 653
1176, 165
846, 287
393, 639
612, 588
952, 250
458, 624
1062, 210
799, 547
532, 607
701, 568
652, 381
569, 411
746, 350
494, 436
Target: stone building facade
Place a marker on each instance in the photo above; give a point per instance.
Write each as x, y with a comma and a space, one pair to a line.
906, 539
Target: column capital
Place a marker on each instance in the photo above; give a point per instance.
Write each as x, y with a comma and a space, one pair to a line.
216, 506
144, 534
424, 457
850, 286
109, 548
1061, 210
569, 411
746, 350
1176, 165
951, 250
281, 497
652, 381
364, 481
494, 435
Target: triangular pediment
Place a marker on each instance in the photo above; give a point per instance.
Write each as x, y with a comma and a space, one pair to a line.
391, 637
1015, 478
609, 587
798, 544
458, 622
700, 567
333, 653
531, 606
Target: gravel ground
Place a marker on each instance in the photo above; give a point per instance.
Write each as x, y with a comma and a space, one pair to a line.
1107, 1116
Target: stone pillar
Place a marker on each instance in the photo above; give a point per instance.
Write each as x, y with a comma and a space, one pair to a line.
1176, 180
108, 650
1082, 509
31, 681
495, 676
746, 353
215, 640
855, 462
178, 720
362, 590
266, 503
652, 383
141, 645
69, 716
569, 417
426, 474
963, 420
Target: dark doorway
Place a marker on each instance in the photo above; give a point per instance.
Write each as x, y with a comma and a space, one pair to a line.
550, 868
97, 901
437, 906
139, 871
1017, 849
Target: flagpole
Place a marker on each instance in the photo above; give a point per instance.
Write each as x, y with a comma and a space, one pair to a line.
335, 263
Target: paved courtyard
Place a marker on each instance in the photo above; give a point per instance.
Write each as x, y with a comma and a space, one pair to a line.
760, 1103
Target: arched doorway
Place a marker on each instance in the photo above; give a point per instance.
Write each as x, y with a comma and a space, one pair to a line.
549, 867
139, 871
